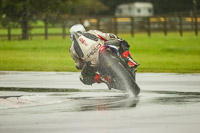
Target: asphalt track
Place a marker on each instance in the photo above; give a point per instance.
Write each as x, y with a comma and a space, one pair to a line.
57, 102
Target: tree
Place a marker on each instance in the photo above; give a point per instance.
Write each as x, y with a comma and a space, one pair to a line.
112, 4
19, 11
24, 11
160, 6
87, 7
171, 6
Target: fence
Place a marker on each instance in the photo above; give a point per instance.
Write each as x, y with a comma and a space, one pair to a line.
34, 31
146, 24
131, 25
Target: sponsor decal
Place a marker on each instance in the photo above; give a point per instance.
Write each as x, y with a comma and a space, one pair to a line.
94, 50
83, 41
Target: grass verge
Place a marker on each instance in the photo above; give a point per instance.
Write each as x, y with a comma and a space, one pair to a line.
158, 53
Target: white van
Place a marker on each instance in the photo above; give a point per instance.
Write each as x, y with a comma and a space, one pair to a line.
137, 9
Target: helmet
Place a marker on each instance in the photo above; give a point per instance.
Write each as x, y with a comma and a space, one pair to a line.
75, 28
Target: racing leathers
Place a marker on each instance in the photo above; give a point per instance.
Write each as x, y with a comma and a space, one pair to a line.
84, 52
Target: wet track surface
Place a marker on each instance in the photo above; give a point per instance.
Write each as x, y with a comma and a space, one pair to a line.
167, 103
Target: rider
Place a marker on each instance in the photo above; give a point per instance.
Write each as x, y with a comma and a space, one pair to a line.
85, 45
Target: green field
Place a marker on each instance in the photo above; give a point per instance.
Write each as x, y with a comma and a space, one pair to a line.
157, 53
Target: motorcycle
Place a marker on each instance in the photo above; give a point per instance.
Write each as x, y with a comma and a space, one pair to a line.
110, 64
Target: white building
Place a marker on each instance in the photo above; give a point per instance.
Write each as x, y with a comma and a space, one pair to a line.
137, 9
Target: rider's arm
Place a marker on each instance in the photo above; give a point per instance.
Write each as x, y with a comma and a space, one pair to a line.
104, 36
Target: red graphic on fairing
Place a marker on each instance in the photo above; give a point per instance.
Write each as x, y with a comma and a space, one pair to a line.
83, 41
102, 38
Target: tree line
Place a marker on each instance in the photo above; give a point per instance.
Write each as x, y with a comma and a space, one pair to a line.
160, 6
23, 12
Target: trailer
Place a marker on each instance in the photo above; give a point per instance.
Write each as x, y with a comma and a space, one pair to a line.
136, 9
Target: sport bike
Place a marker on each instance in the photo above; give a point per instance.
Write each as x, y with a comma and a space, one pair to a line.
111, 65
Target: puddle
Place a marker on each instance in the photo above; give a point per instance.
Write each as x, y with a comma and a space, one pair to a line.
94, 100
103, 103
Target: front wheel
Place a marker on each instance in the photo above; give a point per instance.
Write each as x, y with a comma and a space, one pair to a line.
121, 78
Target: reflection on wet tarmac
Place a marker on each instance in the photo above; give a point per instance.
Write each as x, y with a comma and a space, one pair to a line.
107, 103
98, 100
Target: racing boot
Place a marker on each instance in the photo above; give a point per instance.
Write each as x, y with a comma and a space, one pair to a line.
128, 58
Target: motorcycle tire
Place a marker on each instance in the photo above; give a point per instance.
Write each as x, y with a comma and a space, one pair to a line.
121, 78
